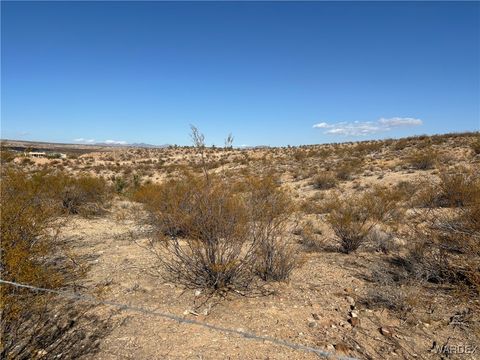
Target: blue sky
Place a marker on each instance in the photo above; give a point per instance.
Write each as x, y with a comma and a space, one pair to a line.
270, 73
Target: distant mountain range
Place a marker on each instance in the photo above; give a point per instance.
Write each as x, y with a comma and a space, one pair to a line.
43, 144
136, 145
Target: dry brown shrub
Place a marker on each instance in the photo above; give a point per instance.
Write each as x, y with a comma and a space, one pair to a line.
324, 181
218, 234
37, 324
310, 237
84, 195
453, 188
446, 242
475, 146
423, 159
353, 217
348, 168
401, 144
269, 209
6, 155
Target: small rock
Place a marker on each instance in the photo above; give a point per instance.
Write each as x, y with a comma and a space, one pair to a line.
315, 316
350, 300
354, 321
385, 331
312, 323
198, 293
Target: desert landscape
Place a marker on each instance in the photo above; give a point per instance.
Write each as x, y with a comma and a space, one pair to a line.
239, 180
365, 250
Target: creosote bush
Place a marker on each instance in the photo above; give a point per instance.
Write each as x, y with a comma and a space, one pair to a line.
39, 325
423, 159
84, 195
446, 242
325, 181
269, 209
217, 233
352, 218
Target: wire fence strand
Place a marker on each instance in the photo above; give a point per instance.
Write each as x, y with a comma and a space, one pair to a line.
182, 320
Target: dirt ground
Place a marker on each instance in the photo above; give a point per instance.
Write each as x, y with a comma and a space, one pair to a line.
313, 308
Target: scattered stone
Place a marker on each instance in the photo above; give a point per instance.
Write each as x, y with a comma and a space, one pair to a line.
350, 300
354, 319
312, 323
198, 293
315, 316
386, 331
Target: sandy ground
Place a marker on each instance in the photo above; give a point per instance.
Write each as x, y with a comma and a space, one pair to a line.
312, 309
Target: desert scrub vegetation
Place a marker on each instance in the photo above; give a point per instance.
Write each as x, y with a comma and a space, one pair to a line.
454, 187
423, 159
38, 325
269, 209
475, 145
324, 181
445, 248
348, 167
84, 195
217, 233
6, 156
353, 217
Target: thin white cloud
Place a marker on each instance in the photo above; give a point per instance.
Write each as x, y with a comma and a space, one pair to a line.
115, 142
86, 141
399, 121
362, 128
322, 125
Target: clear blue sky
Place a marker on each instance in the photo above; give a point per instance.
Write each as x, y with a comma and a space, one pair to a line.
270, 73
